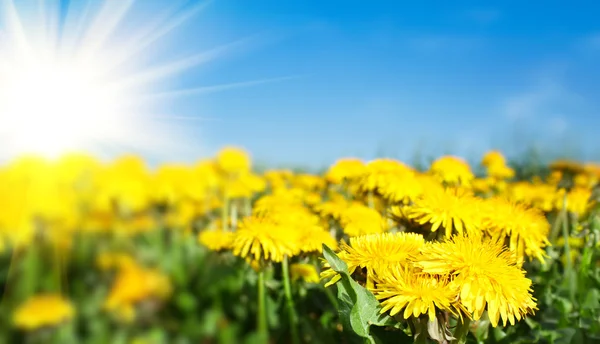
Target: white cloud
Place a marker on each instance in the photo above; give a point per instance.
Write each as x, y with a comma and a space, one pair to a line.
548, 96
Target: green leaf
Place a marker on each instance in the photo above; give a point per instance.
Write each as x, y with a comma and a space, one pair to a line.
592, 300
358, 307
186, 301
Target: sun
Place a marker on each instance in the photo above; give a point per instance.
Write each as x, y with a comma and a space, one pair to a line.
87, 76
50, 105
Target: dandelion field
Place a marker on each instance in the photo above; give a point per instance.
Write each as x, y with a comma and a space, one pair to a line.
367, 252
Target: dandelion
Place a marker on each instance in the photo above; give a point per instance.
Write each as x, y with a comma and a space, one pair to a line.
216, 240
306, 272
451, 209
262, 237
377, 253
233, 161
43, 310
578, 200
134, 284
360, 220
526, 229
484, 274
415, 293
345, 169
452, 170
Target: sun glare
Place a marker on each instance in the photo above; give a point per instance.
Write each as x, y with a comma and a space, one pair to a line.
49, 106
71, 78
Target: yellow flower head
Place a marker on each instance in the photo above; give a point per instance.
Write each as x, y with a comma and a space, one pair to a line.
377, 253
359, 219
492, 158
538, 195
114, 260
312, 237
233, 161
244, 186
402, 187
264, 237
308, 182
278, 179
333, 208
578, 200
43, 310
216, 240
416, 293
134, 284
378, 173
345, 169
307, 272
567, 166
526, 228
496, 167
485, 276
452, 170
454, 210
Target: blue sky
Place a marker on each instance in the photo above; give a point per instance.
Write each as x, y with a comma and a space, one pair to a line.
365, 78
393, 77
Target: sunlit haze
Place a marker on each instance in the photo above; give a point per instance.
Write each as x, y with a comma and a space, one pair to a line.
78, 76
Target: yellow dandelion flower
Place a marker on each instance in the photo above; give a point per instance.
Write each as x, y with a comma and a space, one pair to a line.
578, 200
345, 169
134, 284
574, 242
311, 239
233, 161
262, 237
586, 180
307, 181
359, 219
493, 157
332, 208
44, 310
415, 293
306, 272
401, 187
449, 208
541, 196
244, 186
377, 253
278, 179
496, 167
567, 166
114, 260
484, 274
452, 170
525, 228
216, 240
378, 172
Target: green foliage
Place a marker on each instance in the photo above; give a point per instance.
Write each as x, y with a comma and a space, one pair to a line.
358, 308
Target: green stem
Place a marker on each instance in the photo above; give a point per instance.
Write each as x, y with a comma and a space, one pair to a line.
225, 213
462, 331
290, 302
371, 200
247, 206
569, 263
262, 311
419, 330
331, 297
234, 214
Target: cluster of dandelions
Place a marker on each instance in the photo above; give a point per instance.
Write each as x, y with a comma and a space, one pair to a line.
464, 276
443, 241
